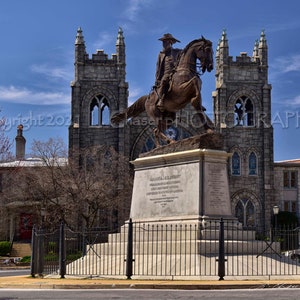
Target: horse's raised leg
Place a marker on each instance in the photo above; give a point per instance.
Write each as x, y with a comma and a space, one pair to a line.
156, 137
166, 138
159, 135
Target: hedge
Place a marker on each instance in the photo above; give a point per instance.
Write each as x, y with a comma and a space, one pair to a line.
4, 248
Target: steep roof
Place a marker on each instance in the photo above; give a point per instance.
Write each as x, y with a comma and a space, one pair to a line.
288, 162
34, 162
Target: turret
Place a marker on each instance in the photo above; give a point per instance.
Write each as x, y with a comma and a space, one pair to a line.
121, 58
79, 46
120, 47
223, 49
80, 51
255, 55
263, 49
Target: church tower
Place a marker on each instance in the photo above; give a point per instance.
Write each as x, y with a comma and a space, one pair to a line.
242, 113
99, 90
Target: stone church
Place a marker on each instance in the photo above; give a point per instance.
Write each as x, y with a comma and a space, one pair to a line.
242, 114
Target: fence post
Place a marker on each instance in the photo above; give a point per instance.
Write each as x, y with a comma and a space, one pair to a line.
40, 252
33, 253
129, 254
62, 252
221, 260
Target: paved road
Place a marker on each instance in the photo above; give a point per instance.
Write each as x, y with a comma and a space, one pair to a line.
11, 272
249, 294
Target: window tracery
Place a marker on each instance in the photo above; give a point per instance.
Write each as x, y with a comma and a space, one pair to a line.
252, 164
243, 112
235, 164
99, 111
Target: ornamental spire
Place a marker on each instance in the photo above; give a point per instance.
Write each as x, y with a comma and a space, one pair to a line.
263, 49
79, 37
223, 41
255, 49
120, 38
262, 40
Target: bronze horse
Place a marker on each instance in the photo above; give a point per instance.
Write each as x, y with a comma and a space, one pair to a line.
185, 87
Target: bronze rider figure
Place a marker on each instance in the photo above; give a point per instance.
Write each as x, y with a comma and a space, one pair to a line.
164, 67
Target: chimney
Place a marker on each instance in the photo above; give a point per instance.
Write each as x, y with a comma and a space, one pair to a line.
20, 143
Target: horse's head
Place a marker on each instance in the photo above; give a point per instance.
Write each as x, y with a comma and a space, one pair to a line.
204, 53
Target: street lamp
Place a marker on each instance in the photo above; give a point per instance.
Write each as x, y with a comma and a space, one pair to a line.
275, 212
272, 232
43, 215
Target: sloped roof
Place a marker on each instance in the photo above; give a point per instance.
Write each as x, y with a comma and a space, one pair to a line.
33, 162
288, 162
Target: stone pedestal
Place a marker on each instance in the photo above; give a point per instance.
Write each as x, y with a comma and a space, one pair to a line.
187, 186
177, 203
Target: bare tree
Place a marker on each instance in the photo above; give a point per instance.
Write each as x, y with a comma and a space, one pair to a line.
94, 193
5, 143
51, 152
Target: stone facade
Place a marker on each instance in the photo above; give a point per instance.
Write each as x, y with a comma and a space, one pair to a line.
287, 185
242, 110
99, 85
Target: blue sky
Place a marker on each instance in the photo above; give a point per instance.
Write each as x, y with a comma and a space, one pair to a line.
37, 54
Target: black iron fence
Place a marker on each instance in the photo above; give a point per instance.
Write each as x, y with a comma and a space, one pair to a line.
172, 251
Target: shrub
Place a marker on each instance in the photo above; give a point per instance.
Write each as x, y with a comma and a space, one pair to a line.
5, 248
25, 259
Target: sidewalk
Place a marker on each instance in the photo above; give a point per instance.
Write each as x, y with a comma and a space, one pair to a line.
74, 282
27, 282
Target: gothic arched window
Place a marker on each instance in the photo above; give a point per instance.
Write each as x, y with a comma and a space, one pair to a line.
99, 111
252, 164
243, 112
245, 212
105, 115
235, 164
94, 113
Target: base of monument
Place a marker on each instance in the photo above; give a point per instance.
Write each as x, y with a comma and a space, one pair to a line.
181, 186
204, 222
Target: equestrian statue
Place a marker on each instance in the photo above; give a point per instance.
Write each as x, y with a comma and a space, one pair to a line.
177, 84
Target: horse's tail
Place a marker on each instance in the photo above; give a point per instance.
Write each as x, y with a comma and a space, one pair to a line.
132, 111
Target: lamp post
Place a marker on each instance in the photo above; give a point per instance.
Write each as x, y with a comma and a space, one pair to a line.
272, 232
43, 215
275, 212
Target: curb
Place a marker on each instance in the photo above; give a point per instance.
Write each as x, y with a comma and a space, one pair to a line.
21, 282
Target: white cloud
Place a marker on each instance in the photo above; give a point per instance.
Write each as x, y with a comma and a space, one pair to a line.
134, 94
290, 103
134, 14
25, 96
104, 39
288, 63
54, 72
133, 9
295, 101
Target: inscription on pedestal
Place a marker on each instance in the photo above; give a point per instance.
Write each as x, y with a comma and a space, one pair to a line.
166, 192
217, 191
164, 189
185, 185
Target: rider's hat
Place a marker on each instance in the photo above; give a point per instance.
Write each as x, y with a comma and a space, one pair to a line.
168, 36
